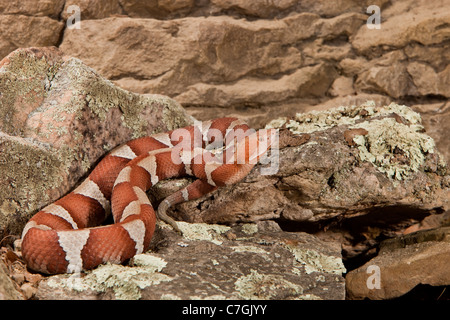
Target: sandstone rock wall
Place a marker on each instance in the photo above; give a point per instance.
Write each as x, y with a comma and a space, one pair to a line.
252, 58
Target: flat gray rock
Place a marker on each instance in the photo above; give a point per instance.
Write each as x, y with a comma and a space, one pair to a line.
250, 261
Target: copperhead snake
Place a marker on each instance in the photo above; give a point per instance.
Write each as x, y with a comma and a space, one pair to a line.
67, 237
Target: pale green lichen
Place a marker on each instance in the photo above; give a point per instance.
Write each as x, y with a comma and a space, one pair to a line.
125, 282
257, 286
211, 297
214, 262
309, 296
393, 148
203, 231
174, 116
85, 163
169, 296
250, 228
314, 120
276, 123
150, 262
322, 120
22, 83
314, 261
31, 169
8, 209
102, 95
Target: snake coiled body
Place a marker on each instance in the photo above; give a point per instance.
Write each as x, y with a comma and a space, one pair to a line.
67, 237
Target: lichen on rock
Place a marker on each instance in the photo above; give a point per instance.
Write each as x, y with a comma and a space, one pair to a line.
314, 261
232, 265
203, 231
58, 117
394, 143
29, 171
314, 121
124, 282
149, 261
393, 148
257, 286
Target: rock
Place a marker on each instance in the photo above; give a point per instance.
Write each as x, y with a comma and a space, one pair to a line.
157, 8
251, 59
391, 80
403, 263
16, 282
243, 58
91, 9
8, 290
430, 222
57, 118
323, 180
47, 8
259, 8
428, 81
228, 65
435, 116
304, 82
251, 67
392, 75
436, 120
28, 290
423, 26
389, 164
19, 21
342, 86
19, 31
251, 261
217, 55
335, 8
423, 22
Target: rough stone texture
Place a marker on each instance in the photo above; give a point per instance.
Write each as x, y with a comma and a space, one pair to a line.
36, 8
255, 59
8, 291
226, 62
57, 118
362, 173
250, 261
422, 257
92, 9
347, 162
29, 23
436, 117
222, 69
159, 9
431, 222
